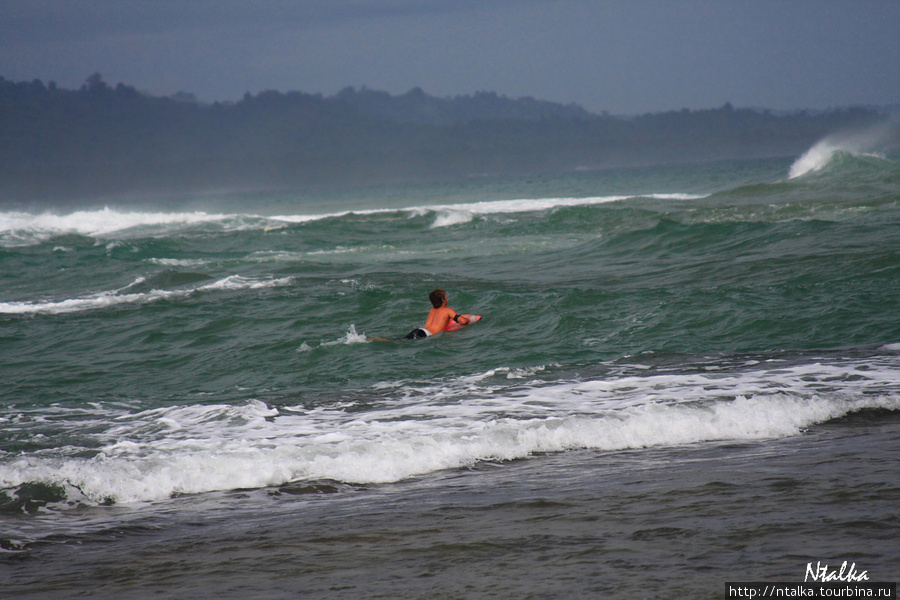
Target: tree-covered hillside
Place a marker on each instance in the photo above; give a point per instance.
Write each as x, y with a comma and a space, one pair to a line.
102, 139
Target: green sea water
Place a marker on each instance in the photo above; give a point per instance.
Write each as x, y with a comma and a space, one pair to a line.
167, 348
119, 305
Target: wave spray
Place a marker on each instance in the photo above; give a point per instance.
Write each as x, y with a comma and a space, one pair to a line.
869, 142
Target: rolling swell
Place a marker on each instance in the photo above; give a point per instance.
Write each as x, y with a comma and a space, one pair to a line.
222, 349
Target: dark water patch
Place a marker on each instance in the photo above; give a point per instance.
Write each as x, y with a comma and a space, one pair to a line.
713, 488
303, 488
760, 192
71, 240
661, 533
13, 550
864, 418
31, 497
875, 491
782, 485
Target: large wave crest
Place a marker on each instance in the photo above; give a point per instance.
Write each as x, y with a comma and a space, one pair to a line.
873, 141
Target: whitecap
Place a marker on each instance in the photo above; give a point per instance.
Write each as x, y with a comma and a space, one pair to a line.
814, 159
422, 428
351, 337
858, 143
123, 297
447, 218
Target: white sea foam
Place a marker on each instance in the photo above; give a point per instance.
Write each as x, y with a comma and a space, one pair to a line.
813, 159
20, 228
153, 454
24, 229
178, 262
455, 214
109, 299
237, 282
860, 143
446, 218
91, 302
351, 337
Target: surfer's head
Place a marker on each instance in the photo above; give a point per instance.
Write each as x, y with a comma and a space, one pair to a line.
438, 298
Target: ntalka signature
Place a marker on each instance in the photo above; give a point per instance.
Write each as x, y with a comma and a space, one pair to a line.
823, 574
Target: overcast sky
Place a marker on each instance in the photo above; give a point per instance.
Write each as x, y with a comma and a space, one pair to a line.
621, 56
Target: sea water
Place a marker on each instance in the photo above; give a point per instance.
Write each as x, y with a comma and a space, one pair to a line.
684, 376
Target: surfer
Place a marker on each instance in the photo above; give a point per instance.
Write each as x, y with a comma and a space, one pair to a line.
438, 317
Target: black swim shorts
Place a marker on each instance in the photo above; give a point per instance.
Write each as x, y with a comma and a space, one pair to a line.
417, 334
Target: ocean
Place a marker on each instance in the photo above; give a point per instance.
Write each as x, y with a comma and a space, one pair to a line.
684, 376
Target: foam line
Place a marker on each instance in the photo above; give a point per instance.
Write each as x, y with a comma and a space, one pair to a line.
23, 229
153, 454
115, 298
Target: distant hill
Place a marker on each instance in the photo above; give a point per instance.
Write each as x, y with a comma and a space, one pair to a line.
101, 139
416, 106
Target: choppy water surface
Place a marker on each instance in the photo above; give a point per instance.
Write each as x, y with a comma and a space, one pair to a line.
684, 376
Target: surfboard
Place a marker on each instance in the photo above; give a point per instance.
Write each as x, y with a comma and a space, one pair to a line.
453, 325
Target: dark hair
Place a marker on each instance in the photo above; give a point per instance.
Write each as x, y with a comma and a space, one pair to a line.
437, 297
